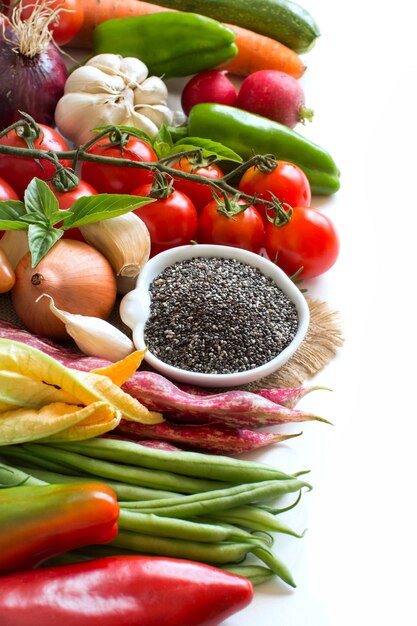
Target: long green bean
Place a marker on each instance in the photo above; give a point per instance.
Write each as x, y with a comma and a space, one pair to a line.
214, 501
150, 524
188, 463
255, 519
123, 491
127, 473
218, 553
12, 477
17, 453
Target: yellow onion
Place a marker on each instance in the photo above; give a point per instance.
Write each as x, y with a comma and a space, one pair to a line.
78, 278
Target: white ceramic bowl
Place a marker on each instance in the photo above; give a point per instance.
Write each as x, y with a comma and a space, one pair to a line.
135, 310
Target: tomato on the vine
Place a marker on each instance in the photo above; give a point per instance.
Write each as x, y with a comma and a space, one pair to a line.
69, 20
231, 226
309, 240
171, 221
6, 191
112, 178
19, 171
67, 198
286, 181
199, 193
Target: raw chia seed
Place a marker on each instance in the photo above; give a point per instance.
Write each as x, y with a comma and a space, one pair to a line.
218, 316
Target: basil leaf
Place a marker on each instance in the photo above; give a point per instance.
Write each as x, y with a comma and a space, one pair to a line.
11, 212
41, 238
130, 130
102, 207
163, 142
40, 199
35, 218
209, 147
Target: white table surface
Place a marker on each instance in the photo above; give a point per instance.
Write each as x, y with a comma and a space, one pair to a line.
353, 565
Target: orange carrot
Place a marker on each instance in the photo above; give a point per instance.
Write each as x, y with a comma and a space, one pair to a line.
256, 52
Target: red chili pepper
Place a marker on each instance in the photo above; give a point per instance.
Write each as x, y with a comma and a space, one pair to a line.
38, 522
123, 591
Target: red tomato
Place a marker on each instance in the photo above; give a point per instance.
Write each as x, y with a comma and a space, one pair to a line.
18, 171
242, 230
171, 221
69, 21
6, 193
199, 193
67, 198
115, 179
287, 182
309, 240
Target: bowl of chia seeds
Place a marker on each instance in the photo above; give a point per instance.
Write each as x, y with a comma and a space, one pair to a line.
215, 316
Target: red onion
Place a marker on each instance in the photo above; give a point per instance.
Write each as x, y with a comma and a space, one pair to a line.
32, 70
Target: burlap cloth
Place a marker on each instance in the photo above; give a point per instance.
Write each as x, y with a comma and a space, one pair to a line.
320, 346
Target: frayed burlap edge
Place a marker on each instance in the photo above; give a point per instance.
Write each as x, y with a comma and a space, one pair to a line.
323, 339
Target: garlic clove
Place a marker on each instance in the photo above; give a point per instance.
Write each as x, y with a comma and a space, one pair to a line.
76, 114
108, 63
133, 70
92, 80
126, 244
93, 336
14, 244
158, 113
151, 91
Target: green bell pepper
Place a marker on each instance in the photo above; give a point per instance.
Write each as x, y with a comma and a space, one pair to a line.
170, 44
249, 134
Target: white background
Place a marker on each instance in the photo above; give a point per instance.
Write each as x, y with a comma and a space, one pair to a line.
356, 564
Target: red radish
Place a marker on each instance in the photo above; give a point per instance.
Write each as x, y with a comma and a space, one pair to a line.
275, 95
209, 86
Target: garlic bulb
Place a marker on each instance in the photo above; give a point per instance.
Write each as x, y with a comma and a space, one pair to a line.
93, 336
126, 244
112, 90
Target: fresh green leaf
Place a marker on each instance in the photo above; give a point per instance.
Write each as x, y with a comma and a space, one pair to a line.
11, 212
41, 238
163, 142
40, 199
177, 132
102, 207
59, 216
35, 218
209, 147
130, 130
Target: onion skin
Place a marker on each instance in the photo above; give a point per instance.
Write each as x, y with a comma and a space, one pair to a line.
75, 275
32, 85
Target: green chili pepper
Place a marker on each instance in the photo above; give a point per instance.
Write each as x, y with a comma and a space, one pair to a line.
170, 44
249, 134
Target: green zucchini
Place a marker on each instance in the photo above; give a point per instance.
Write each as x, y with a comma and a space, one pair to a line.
282, 20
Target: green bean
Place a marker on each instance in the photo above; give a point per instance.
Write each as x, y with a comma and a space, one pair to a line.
255, 573
123, 491
150, 524
129, 474
16, 452
188, 463
212, 553
214, 501
12, 477
275, 564
255, 519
